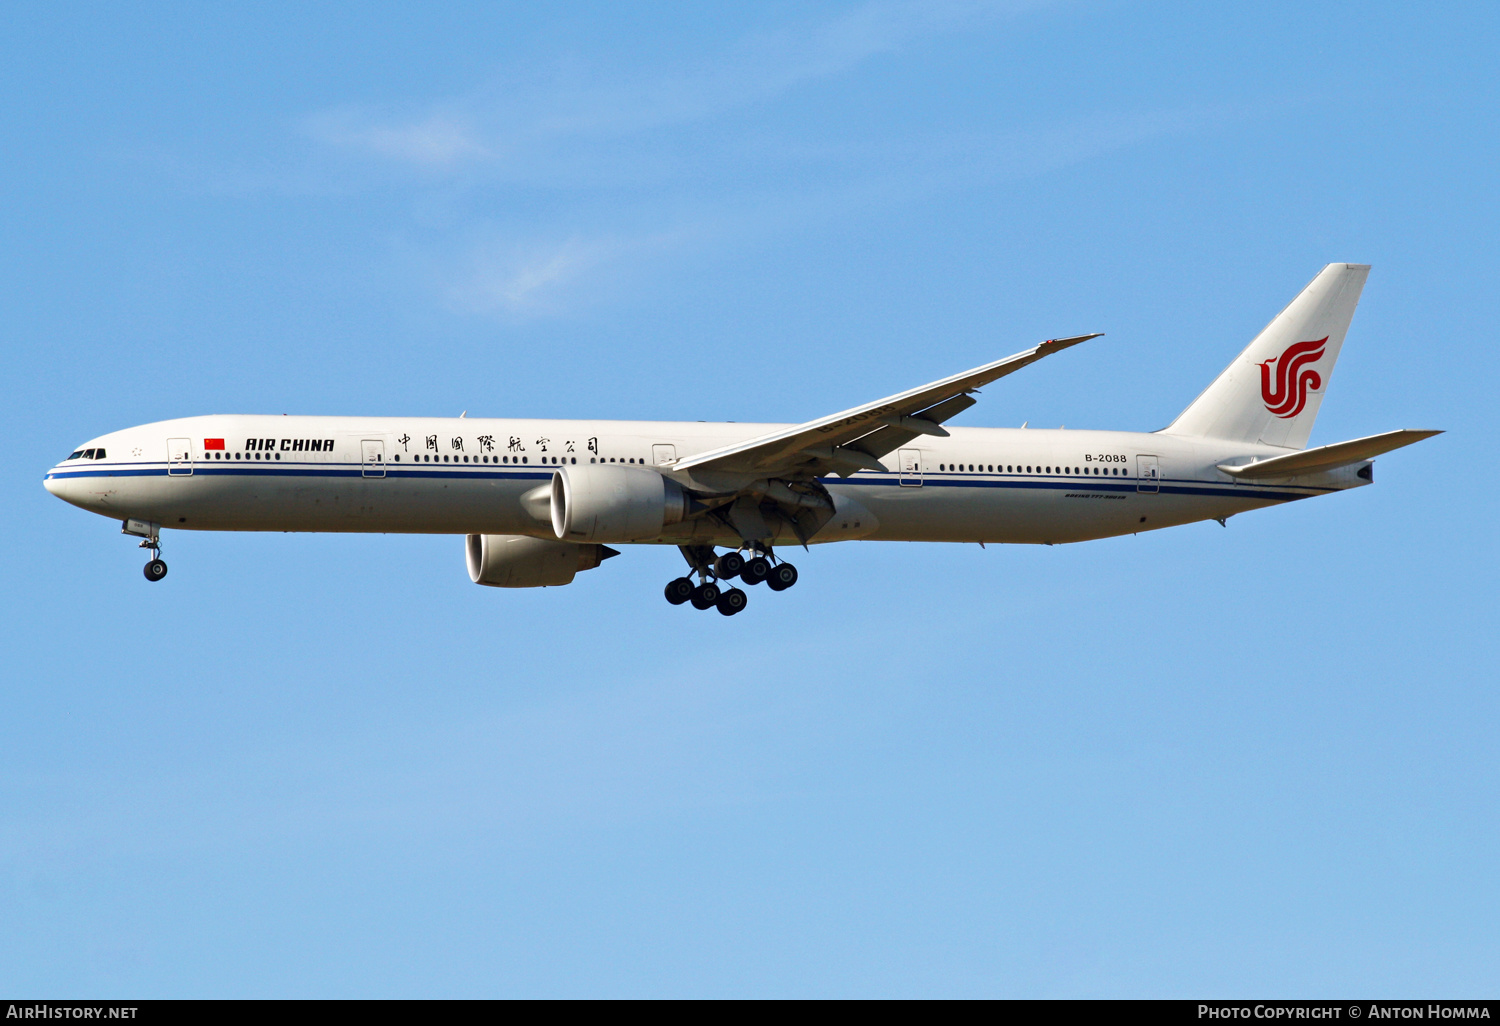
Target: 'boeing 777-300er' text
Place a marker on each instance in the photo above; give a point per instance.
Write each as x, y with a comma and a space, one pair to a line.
540, 500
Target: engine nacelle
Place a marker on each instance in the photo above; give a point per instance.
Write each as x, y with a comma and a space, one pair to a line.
605, 502
516, 561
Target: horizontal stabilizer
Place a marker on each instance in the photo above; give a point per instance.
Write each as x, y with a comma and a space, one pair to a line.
1327, 457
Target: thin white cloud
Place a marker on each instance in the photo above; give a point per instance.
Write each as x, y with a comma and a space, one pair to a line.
541, 276
437, 140
520, 121
523, 279
619, 154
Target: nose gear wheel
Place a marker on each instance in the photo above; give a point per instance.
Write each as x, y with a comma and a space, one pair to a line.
156, 569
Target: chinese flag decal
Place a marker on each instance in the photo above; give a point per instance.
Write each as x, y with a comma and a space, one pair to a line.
213, 443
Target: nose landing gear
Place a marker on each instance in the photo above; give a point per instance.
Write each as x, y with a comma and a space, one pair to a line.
713, 571
151, 533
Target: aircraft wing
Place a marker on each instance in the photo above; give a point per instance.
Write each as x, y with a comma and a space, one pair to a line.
854, 440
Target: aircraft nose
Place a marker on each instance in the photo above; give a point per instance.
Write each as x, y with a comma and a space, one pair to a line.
53, 484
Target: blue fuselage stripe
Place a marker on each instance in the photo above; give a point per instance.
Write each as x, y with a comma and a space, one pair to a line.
1124, 485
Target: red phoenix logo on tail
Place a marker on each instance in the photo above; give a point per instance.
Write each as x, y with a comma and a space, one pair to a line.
1287, 394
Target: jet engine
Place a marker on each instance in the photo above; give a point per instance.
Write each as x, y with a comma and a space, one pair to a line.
605, 502
516, 561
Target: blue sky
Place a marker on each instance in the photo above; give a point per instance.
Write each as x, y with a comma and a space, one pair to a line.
1204, 761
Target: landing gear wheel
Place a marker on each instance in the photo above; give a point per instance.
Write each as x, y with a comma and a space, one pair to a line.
728, 566
756, 570
732, 601
705, 596
155, 570
679, 591
782, 577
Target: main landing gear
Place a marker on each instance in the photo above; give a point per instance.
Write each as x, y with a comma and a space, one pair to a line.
712, 570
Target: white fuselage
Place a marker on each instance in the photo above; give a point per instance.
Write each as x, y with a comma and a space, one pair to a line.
473, 476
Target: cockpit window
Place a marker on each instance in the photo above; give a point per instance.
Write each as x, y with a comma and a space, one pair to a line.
77, 454
98, 454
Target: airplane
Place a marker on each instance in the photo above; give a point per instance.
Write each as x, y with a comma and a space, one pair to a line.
538, 501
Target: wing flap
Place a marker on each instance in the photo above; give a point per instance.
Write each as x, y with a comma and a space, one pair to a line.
897, 433
1327, 457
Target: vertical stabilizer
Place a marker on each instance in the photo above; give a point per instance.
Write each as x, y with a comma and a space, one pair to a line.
1272, 391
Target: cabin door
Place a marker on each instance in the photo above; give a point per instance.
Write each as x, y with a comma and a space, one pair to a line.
372, 457
1148, 474
911, 468
179, 456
